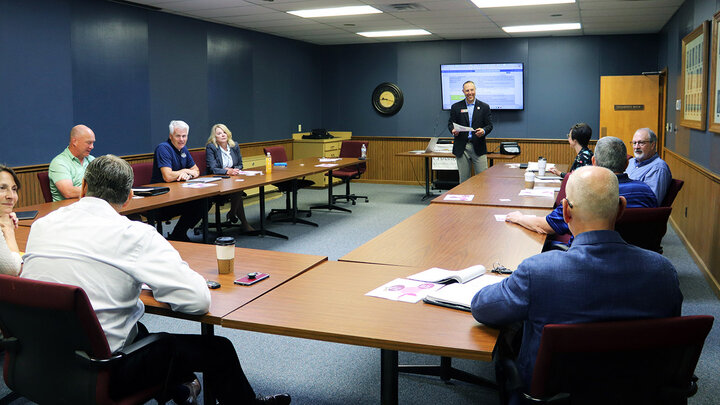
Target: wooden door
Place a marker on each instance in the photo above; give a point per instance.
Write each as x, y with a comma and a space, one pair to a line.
628, 103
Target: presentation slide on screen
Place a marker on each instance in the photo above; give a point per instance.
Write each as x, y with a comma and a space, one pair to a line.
500, 85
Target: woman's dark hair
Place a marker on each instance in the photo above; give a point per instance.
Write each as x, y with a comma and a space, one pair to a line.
581, 133
4, 168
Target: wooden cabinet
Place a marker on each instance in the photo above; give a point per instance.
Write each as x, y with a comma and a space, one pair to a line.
303, 148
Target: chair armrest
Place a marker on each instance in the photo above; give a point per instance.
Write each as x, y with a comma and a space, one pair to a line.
562, 398
125, 352
10, 344
558, 246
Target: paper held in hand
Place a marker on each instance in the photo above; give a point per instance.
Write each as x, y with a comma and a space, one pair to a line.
462, 128
442, 276
459, 296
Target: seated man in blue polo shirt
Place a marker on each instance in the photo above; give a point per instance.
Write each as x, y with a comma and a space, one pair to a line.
173, 162
610, 153
647, 166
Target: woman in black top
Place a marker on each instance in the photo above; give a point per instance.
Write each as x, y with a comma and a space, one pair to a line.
578, 138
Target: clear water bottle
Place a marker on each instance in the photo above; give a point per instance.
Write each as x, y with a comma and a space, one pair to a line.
268, 163
542, 164
363, 152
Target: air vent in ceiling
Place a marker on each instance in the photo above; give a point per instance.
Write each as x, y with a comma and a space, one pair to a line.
400, 7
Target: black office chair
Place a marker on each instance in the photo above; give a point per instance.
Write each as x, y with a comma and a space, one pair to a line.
290, 188
55, 349
648, 361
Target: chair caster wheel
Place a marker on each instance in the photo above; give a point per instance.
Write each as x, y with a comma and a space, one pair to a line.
308, 215
366, 200
353, 203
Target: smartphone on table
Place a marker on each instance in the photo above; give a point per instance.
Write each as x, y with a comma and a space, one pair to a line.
251, 278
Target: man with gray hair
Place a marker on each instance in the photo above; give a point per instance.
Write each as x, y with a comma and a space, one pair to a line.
90, 245
647, 166
600, 278
610, 153
173, 162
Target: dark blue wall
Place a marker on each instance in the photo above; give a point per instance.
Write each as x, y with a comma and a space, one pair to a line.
702, 147
36, 91
126, 72
562, 82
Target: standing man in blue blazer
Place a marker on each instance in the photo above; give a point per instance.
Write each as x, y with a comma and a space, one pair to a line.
470, 147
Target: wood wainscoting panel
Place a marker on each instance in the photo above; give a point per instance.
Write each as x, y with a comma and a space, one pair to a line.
31, 194
695, 214
385, 167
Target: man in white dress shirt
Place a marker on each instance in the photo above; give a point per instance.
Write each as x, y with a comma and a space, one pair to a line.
90, 245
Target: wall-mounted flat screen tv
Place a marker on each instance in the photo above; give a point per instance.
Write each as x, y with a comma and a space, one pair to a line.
498, 84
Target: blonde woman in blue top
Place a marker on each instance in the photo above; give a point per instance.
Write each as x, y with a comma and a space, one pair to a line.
222, 156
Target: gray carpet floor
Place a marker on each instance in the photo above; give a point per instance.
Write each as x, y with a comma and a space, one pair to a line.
315, 372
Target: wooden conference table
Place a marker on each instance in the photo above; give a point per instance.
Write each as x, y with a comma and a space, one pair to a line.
328, 303
180, 193
280, 265
428, 155
496, 191
452, 237
504, 170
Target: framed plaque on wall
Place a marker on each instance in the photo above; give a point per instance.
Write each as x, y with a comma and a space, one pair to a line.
694, 77
714, 124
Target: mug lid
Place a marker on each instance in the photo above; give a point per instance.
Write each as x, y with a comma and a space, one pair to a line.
225, 241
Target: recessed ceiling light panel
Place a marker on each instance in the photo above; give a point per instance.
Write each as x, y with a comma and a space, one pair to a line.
542, 27
335, 11
395, 33
516, 3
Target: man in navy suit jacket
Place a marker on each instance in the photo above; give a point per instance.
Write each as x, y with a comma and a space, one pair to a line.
470, 147
600, 278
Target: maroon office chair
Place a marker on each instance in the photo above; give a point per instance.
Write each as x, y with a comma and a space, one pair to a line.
672, 192
44, 180
350, 149
561, 194
55, 349
142, 173
644, 227
290, 188
649, 361
199, 158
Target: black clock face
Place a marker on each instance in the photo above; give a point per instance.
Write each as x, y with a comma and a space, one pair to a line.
387, 98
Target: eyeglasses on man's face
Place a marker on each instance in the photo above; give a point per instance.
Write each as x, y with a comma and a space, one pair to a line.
639, 143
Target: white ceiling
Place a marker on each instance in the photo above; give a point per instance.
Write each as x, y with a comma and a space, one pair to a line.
445, 19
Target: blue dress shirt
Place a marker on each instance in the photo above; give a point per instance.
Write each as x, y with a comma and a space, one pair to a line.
654, 172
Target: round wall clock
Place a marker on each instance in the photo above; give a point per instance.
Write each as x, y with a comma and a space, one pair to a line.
387, 98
